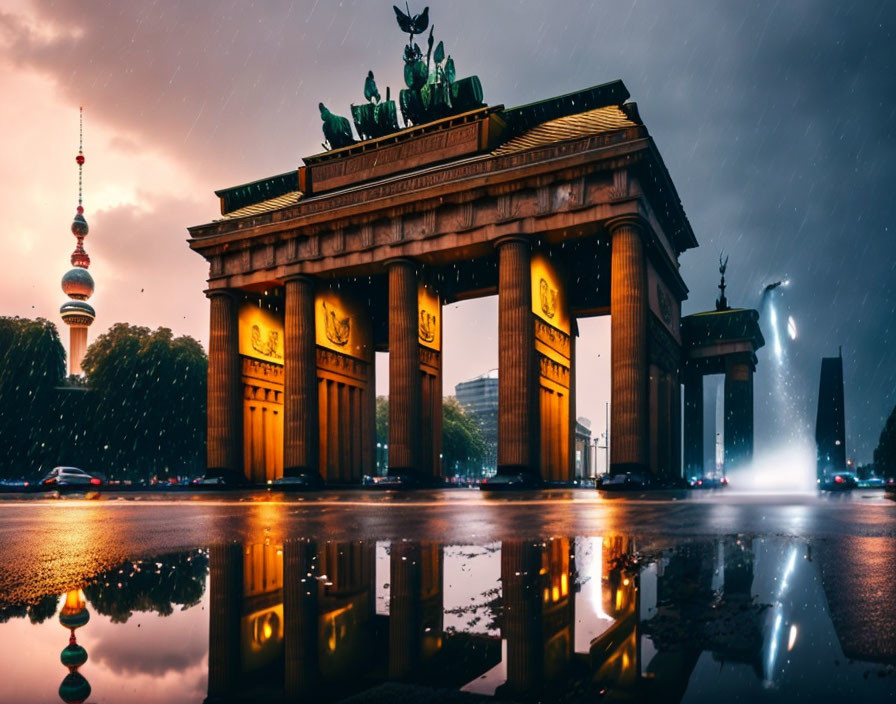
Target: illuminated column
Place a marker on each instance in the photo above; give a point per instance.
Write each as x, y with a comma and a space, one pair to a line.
738, 412
300, 394
518, 431
693, 424
628, 325
225, 585
405, 394
225, 423
301, 569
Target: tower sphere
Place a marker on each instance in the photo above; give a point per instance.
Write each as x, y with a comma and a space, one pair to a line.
77, 313
79, 225
78, 283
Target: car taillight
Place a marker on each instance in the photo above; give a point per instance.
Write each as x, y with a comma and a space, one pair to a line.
838, 479
699, 482
95, 481
49, 480
724, 480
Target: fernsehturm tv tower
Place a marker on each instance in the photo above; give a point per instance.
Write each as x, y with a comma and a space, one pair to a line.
77, 283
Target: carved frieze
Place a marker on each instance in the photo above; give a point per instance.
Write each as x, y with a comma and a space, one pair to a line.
553, 371
551, 337
619, 190
367, 235
396, 227
262, 371
336, 363
542, 199
429, 222
663, 350
465, 216
429, 357
337, 240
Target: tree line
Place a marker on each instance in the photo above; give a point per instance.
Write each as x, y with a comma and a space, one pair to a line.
140, 410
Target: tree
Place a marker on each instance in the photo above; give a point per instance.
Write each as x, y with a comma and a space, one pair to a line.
150, 406
32, 366
885, 454
463, 447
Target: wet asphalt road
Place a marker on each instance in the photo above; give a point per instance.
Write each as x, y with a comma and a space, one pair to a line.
48, 544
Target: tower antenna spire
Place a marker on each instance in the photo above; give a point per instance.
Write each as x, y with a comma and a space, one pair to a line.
80, 158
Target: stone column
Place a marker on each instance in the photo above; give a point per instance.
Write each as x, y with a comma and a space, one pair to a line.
405, 607
738, 412
301, 569
523, 623
693, 424
225, 586
225, 403
300, 396
518, 431
405, 394
628, 326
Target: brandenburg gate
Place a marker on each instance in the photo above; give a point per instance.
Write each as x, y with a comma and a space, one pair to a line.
563, 208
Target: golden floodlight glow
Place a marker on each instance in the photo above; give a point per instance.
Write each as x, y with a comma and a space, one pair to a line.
261, 334
342, 324
74, 601
429, 311
549, 293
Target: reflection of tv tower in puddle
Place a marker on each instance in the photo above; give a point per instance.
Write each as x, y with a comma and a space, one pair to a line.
74, 688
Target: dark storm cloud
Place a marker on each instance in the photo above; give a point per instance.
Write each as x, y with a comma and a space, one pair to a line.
776, 121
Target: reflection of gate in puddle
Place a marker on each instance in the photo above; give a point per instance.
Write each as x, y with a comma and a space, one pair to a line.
300, 619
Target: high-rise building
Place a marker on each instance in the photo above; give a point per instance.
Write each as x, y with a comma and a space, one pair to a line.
77, 283
830, 424
479, 397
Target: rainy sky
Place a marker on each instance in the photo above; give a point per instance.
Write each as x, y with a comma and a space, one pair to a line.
775, 119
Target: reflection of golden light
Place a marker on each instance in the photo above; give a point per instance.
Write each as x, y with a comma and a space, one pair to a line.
547, 595
333, 629
74, 601
791, 638
265, 626
555, 594
564, 584
625, 661
618, 599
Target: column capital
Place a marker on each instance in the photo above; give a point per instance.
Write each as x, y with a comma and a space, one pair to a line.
401, 260
228, 292
634, 221
308, 278
507, 239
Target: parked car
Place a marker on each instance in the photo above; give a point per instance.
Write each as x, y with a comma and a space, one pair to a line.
511, 482
626, 481
839, 481
69, 476
872, 483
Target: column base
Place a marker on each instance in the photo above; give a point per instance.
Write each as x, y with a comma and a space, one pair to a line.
512, 476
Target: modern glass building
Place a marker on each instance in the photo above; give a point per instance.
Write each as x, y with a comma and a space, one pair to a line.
479, 397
